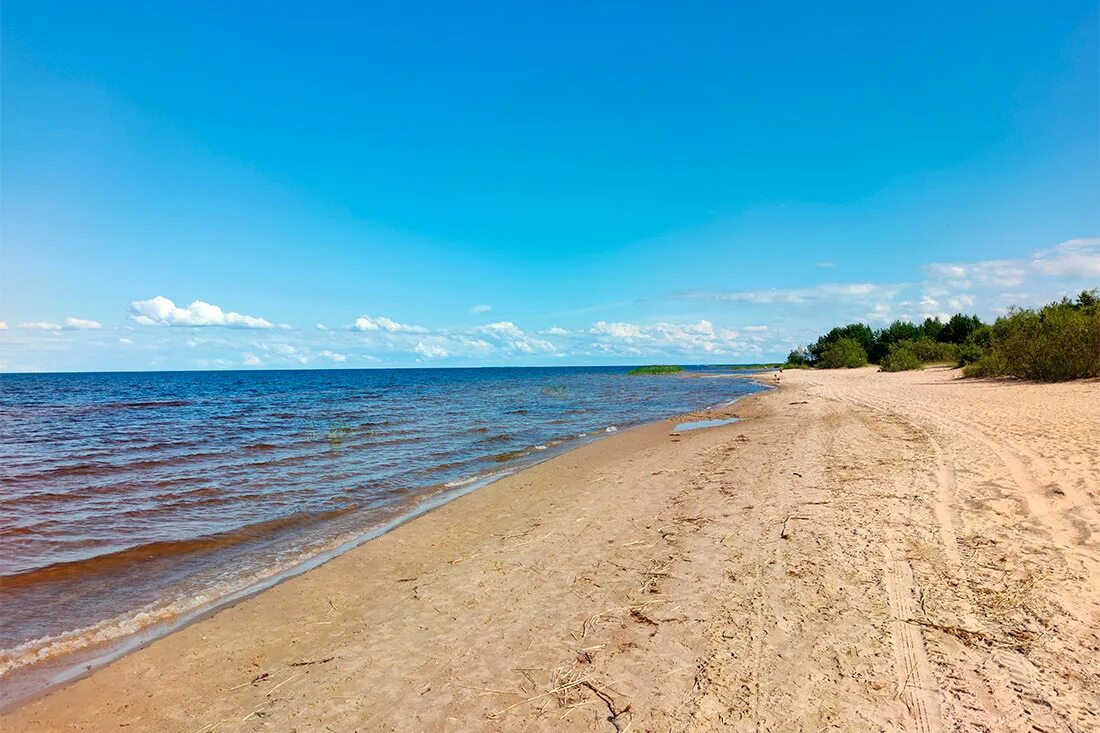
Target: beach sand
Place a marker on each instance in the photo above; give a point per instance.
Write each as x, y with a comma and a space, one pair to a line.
865, 551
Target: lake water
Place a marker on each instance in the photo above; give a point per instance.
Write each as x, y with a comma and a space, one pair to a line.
128, 501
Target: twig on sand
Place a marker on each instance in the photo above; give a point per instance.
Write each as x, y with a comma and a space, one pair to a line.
611, 707
784, 534
312, 661
276, 687
555, 691
253, 681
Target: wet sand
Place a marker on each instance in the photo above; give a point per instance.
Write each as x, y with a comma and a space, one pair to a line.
865, 552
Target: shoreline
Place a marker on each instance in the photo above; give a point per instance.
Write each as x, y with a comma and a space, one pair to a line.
895, 551
43, 679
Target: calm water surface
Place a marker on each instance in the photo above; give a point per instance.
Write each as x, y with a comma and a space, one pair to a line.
128, 500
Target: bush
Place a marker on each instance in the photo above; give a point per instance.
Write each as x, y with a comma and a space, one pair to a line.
989, 365
969, 353
655, 369
901, 359
844, 353
930, 351
1059, 341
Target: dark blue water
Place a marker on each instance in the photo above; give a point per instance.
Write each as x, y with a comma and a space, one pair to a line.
130, 499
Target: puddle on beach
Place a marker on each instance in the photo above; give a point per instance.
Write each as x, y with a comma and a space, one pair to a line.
699, 424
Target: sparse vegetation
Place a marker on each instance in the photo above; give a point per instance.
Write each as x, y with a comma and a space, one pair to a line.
901, 358
655, 369
1058, 341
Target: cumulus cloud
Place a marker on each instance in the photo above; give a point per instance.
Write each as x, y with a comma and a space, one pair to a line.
700, 337
81, 323
251, 360
161, 311
430, 351
333, 356
508, 335
482, 308
366, 323
556, 331
620, 331
40, 326
993, 285
125, 341
3, 326
321, 327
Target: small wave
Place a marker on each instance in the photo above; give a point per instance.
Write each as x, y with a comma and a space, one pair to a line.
510, 455
76, 569
611, 429
140, 405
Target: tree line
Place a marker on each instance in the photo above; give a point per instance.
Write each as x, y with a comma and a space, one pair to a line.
1058, 341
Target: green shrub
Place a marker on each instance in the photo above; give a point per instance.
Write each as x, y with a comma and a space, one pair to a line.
901, 359
969, 353
655, 369
1059, 341
989, 365
844, 353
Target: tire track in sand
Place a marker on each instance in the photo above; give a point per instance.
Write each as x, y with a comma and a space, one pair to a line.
914, 671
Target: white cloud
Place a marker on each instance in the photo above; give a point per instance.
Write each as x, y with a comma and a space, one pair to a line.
620, 331
333, 356
251, 360
321, 327
366, 323
430, 351
699, 338
125, 341
482, 308
3, 326
81, 323
504, 328
961, 302
161, 311
852, 292
476, 345
1075, 258
556, 331
510, 336
826, 264
993, 285
40, 326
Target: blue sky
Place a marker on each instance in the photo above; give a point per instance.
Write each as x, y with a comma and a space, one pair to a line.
202, 185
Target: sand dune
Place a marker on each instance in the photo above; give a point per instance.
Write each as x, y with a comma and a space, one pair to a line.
866, 552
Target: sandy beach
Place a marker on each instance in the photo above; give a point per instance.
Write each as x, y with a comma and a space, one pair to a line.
862, 552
